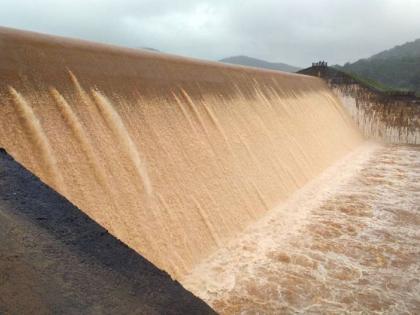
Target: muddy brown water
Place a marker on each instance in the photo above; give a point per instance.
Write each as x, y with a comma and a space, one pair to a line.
225, 177
173, 156
355, 250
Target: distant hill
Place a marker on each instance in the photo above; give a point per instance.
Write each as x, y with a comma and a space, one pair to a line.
398, 67
147, 48
257, 63
151, 49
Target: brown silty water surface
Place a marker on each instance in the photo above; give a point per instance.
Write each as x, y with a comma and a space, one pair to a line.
350, 245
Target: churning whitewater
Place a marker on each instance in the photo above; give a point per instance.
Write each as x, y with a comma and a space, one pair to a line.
343, 243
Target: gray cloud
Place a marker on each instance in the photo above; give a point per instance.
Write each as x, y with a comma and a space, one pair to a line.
292, 31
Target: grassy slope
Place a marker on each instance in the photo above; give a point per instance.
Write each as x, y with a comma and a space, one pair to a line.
373, 83
396, 68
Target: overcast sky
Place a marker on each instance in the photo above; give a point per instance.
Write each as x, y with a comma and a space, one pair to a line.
291, 31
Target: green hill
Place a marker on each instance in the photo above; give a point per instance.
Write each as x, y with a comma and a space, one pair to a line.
398, 67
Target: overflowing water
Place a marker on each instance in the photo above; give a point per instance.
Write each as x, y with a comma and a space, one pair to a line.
38, 139
124, 139
175, 157
345, 244
212, 173
388, 120
213, 164
79, 132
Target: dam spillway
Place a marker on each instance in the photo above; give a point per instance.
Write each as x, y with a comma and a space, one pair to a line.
174, 157
191, 153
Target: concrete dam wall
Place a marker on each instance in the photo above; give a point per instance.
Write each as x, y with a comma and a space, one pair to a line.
173, 156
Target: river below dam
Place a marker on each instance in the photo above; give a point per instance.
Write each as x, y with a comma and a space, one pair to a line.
349, 242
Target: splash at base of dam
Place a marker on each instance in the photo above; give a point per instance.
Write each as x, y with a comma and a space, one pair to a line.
179, 158
343, 244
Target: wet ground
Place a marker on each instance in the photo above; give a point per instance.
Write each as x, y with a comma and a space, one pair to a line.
54, 259
349, 244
